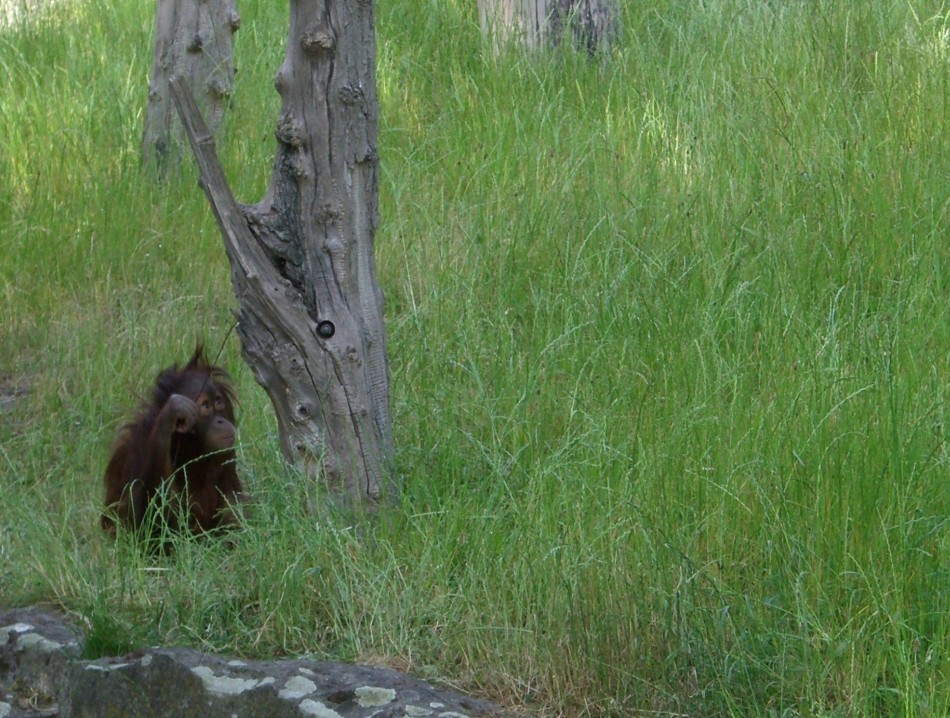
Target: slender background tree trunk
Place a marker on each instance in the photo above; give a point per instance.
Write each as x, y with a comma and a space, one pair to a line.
193, 40
303, 269
591, 24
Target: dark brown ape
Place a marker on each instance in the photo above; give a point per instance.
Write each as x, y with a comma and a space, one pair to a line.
173, 465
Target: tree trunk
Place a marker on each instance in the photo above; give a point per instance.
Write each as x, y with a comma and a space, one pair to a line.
193, 40
310, 307
590, 24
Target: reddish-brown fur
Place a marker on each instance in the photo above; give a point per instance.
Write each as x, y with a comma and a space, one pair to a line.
181, 447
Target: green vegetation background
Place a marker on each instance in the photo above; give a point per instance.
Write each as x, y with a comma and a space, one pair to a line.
670, 357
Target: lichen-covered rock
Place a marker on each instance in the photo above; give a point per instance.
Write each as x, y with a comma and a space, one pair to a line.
36, 647
41, 674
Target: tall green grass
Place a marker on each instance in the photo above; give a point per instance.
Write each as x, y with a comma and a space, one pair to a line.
670, 351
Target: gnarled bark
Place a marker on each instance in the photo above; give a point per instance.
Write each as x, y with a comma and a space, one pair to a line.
591, 24
193, 40
303, 270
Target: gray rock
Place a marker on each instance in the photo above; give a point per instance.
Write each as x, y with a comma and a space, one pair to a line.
36, 649
42, 675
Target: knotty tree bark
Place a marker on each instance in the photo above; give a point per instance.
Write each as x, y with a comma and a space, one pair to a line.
193, 40
590, 24
310, 307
